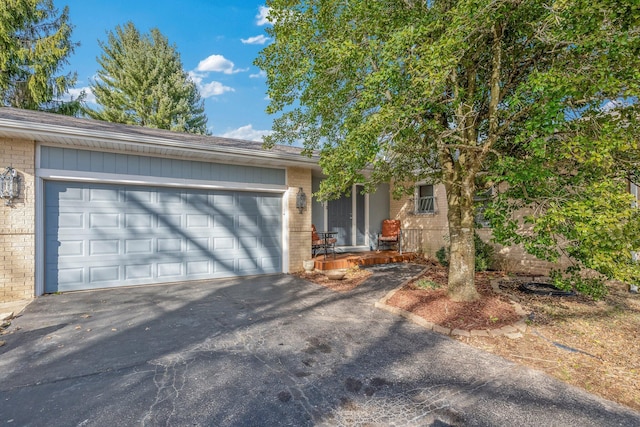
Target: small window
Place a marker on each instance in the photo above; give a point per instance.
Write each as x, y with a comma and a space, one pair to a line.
425, 200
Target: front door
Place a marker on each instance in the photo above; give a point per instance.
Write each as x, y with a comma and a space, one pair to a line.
339, 215
347, 217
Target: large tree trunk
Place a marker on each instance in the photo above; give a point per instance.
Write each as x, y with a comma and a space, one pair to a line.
462, 265
461, 232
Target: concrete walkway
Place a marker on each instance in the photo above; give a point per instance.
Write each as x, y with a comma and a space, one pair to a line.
264, 351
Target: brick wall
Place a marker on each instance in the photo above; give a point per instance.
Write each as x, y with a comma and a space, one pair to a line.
299, 223
433, 228
429, 232
17, 224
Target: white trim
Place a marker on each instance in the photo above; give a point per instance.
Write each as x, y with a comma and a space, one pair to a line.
285, 229
40, 236
108, 178
366, 220
325, 225
354, 215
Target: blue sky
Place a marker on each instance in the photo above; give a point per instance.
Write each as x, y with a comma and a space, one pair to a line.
217, 41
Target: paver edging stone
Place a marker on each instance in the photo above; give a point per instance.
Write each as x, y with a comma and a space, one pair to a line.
514, 331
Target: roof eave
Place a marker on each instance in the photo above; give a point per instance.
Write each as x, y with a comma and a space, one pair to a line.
82, 137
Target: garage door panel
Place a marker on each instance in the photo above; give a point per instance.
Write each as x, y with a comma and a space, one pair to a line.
223, 222
223, 199
69, 276
104, 195
108, 235
198, 221
71, 194
170, 269
138, 246
71, 248
104, 220
248, 266
224, 267
271, 242
138, 271
104, 247
221, 243
138, 196
107, 273
68, 220
170, 245
138, 220
196, 268
198, 245
169, 197
169, 221
270, 264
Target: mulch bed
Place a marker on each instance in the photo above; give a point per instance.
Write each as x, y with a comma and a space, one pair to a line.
491, 311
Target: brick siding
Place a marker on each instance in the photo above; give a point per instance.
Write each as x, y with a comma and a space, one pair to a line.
299, 223
17, 224
429, 232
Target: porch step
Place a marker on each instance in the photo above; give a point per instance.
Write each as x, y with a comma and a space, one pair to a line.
360, 259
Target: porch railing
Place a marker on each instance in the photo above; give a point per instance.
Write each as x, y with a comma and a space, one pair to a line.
415, 239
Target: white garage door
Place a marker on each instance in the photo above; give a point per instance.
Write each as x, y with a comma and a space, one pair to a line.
101, 236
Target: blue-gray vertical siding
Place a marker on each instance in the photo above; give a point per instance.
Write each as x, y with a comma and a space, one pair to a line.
379, 204
71, 159
317, 208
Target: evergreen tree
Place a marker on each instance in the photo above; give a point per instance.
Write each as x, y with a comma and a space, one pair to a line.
35, 42
142, 82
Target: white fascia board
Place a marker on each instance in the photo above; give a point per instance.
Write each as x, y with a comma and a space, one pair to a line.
82, 136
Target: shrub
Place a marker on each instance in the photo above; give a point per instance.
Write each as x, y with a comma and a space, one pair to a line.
484, 253
443, 256
572, 281
426, 284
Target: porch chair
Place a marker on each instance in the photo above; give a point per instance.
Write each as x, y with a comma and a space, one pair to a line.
318, 244
391, 234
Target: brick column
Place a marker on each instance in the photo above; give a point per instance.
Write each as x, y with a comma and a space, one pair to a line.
299, 223
17, 224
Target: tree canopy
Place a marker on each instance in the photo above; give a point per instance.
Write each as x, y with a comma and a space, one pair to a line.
142, 82
535, 99
35, 44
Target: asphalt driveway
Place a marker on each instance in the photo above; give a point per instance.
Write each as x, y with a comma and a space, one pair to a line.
264, 351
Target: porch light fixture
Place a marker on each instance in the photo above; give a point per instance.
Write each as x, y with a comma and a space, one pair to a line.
9, 185
301, 200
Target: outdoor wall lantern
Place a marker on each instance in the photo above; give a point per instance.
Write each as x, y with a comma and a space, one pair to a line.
301, 200
9, 185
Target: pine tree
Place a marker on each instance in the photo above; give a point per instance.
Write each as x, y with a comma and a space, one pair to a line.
35, 42
142, 82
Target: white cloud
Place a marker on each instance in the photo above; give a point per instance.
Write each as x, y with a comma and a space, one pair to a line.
259, 75
208, 90
261, 17
261, 39
248, 133
218, 63
75, 92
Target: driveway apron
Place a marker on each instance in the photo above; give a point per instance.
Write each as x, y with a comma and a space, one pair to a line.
265, 351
